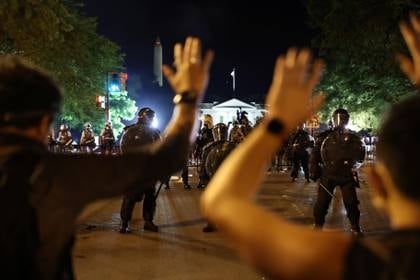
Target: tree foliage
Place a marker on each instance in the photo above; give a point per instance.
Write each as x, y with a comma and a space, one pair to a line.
55, 35
358, 40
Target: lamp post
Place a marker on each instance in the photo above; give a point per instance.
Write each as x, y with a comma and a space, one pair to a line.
107, 119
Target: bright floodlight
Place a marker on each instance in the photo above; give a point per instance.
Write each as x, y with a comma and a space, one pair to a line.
155, 123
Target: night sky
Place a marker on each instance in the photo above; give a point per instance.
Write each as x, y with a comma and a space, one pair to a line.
247, 37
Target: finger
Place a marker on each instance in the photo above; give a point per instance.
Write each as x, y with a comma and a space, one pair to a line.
177, 55
410, 38
302, 62
168, 72
208, 60
316, 74
406, 65
415, 22
291, 57
303, 57
279, 69
187, 50
196, 51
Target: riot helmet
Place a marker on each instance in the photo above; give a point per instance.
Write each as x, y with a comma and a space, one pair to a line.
220, 132
108, 125
146, 116
340, 118
88, 125
64, 127
301, 126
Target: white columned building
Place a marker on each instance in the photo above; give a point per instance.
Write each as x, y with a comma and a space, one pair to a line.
226, 111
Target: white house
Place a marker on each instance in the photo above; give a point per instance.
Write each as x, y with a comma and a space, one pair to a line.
226, 112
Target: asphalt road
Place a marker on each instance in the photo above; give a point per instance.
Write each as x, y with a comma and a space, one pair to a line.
181, 250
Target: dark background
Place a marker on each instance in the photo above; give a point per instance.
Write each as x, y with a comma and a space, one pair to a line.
245, 36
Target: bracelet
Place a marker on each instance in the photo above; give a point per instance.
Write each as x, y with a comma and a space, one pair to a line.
186, 97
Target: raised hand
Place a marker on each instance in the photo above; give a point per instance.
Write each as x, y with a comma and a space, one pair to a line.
192, 72
411, 34
290, 96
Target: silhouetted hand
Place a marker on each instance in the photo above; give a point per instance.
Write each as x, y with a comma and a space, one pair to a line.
192, 72
411, 34
290, 96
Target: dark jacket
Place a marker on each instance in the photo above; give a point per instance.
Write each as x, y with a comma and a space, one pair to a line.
60, 192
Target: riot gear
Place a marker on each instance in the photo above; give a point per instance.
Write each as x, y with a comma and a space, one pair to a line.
146, 116
341, 151
220, 132
212, 157
333, 160
134, 137
218, 150
299, 143
87, 140
340, 118
64, 127
107, 139
236, 134
65, 139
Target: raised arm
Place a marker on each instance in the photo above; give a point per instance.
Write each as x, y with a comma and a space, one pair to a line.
411, 34
109, 176
277, 248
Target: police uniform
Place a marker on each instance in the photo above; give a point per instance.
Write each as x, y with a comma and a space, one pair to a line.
134, 136
87, 140
107, 139
299, 144
65, 139
236, 134
333, 160
214, 154
204, 139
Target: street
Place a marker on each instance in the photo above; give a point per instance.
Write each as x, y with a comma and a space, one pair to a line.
181, 250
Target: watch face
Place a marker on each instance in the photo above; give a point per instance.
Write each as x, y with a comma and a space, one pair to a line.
184, 98
275, 126
177, 98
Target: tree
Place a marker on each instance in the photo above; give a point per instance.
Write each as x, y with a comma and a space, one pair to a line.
359, 40
121, 108
55, 35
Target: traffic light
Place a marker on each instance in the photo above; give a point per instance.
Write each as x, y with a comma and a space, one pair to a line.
100, 101
114, 84
117, 82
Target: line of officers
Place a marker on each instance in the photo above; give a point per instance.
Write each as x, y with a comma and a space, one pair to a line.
331, 159
64, 142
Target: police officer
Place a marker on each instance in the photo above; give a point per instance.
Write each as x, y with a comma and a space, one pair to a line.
299, 143
51, 140
65, 139
213, 155
245, 123
236, 134
333, 160
205, 137
107, 139
87, 140
136, 135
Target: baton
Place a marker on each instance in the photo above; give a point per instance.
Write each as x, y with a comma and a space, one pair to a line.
325, 189
157, 193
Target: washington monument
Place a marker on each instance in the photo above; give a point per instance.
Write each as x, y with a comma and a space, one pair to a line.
157, 63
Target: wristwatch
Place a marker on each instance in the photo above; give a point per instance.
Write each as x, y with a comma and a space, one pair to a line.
187, 97
275, 126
